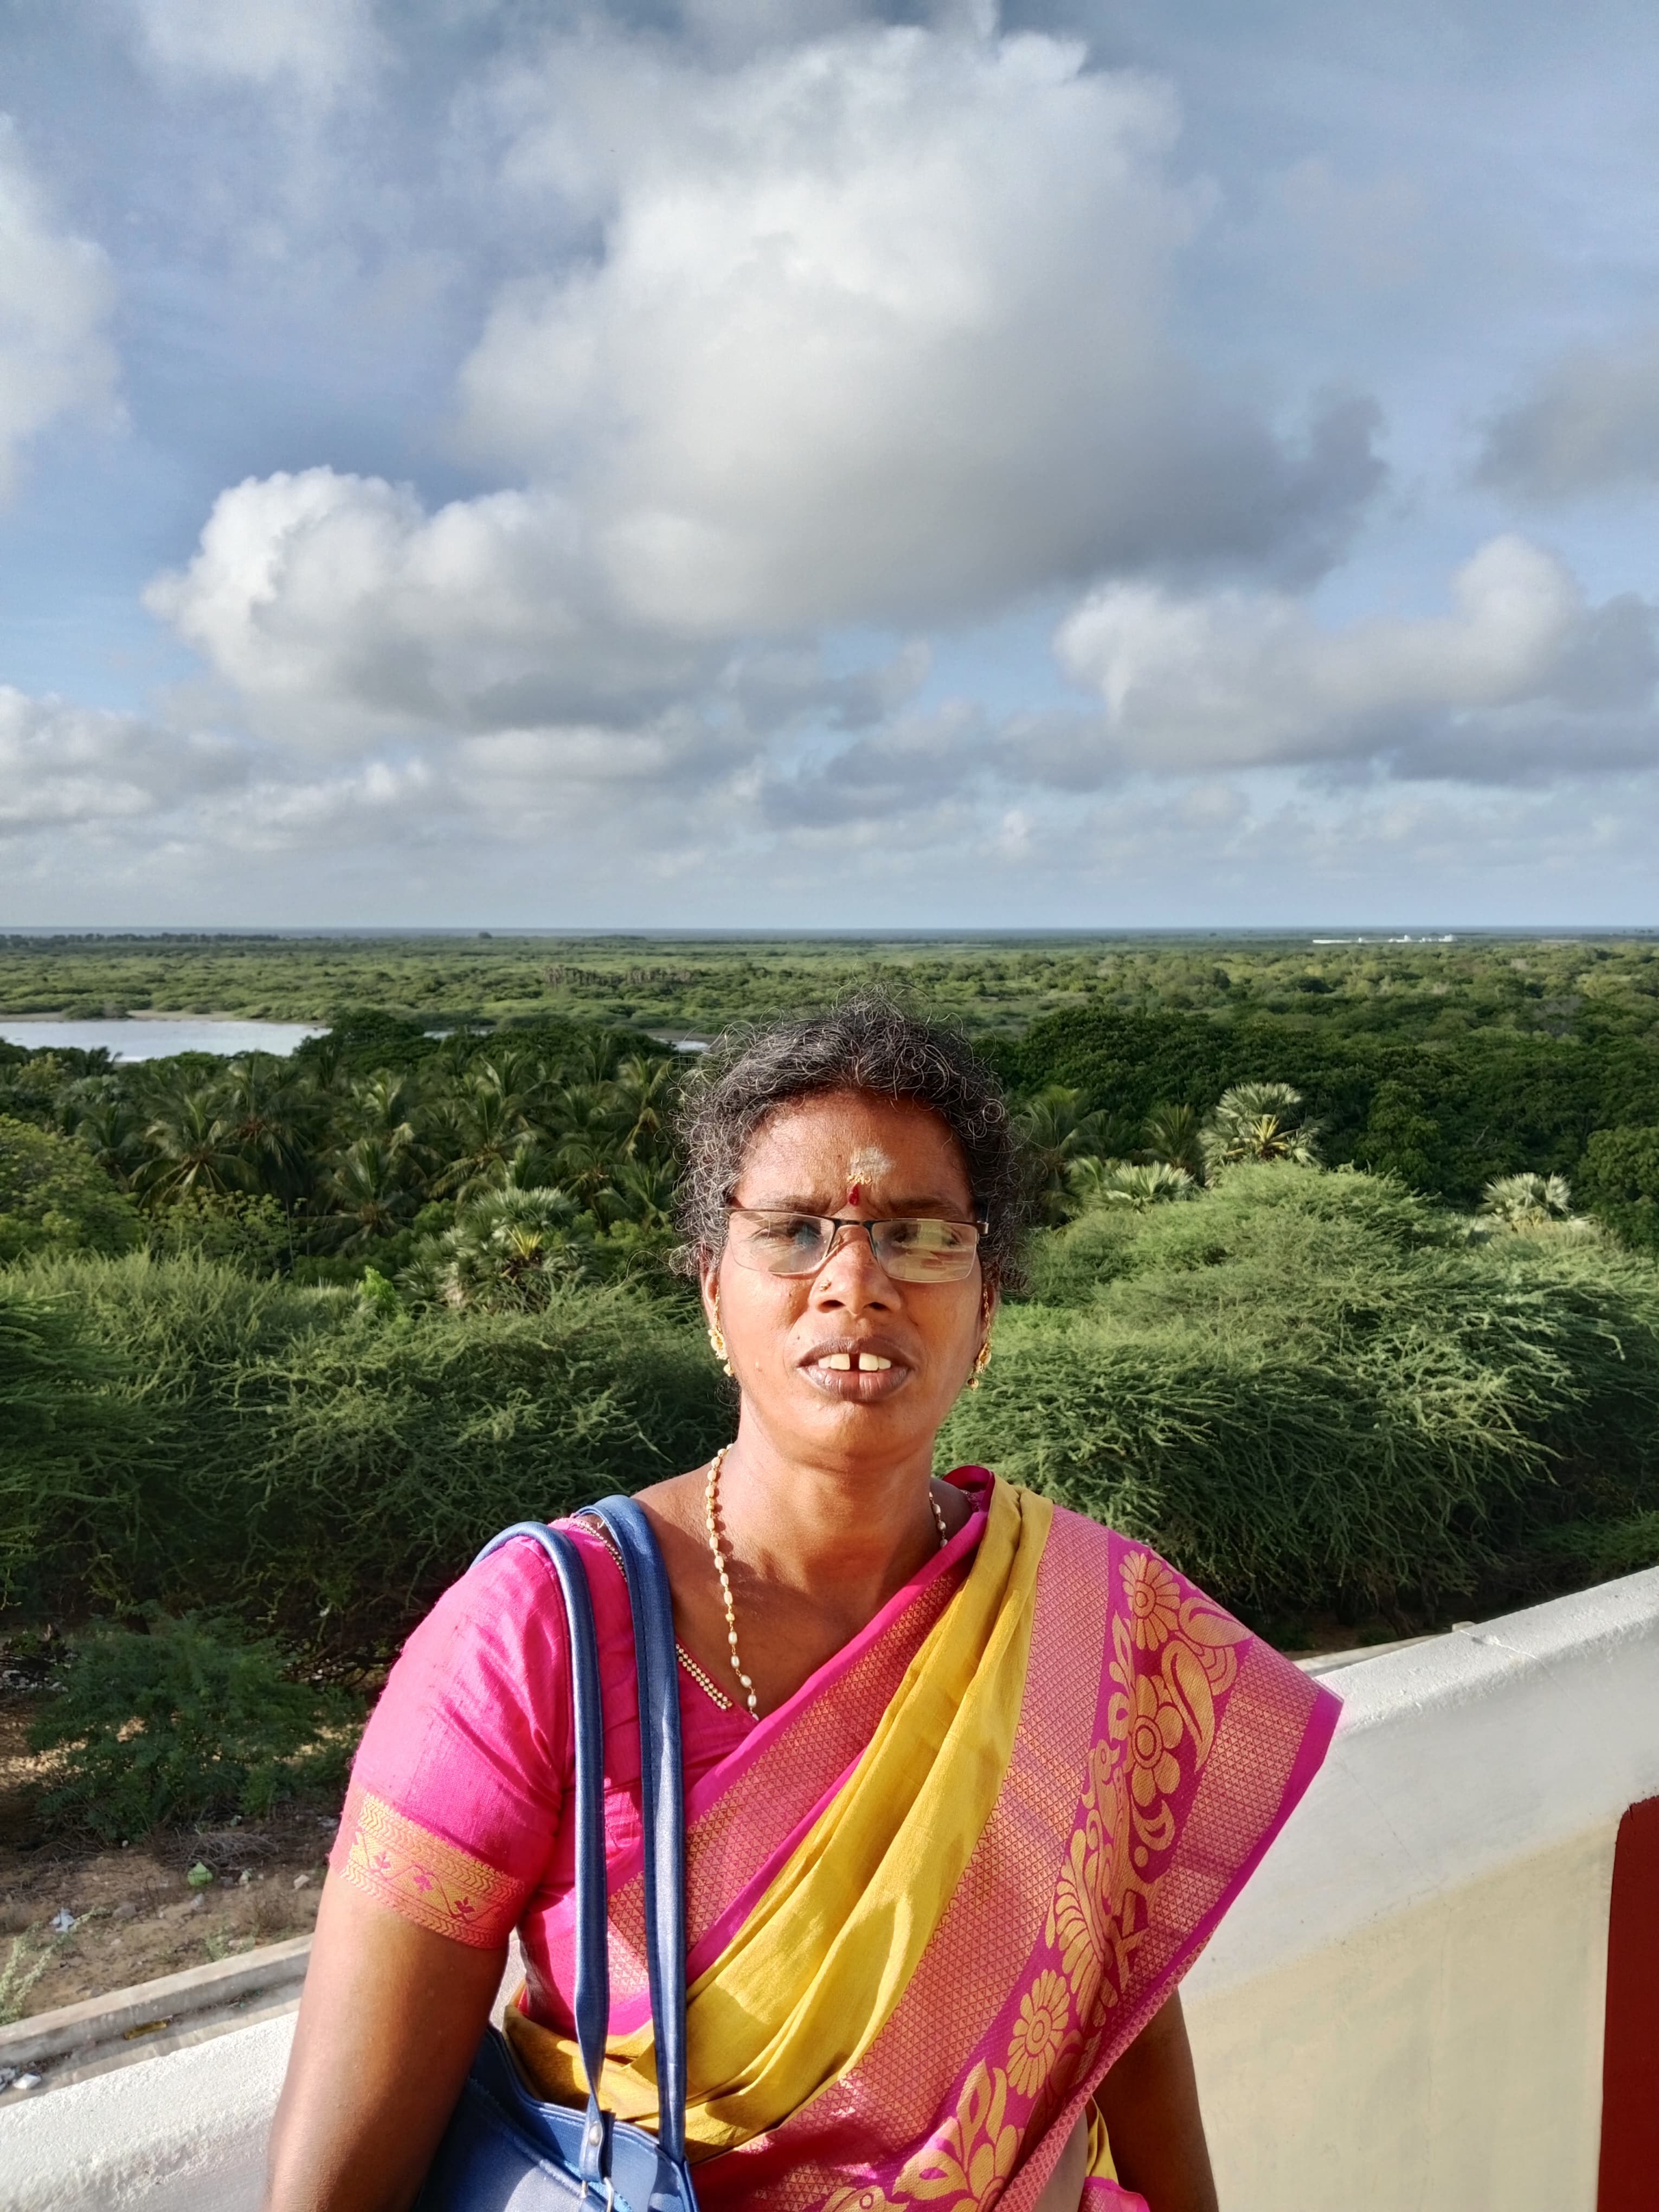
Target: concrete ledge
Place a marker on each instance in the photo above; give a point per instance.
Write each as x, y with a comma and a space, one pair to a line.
185, 2133
99, 2025
1454, 1758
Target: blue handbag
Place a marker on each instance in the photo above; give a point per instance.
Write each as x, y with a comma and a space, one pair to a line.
503, 2147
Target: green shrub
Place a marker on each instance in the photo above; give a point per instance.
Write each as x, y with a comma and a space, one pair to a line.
1619, 1182
244, 1229
62, 1433
1309, 1389
186, 1724
53, 1194
322, 1463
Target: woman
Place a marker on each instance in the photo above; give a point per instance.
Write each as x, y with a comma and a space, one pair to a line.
969, 1780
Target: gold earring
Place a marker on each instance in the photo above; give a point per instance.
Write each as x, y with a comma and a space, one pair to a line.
981, 1363
717, 1339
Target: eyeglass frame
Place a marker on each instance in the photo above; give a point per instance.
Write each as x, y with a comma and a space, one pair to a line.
840, 1221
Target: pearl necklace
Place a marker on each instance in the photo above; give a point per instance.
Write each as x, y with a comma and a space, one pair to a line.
710, 1509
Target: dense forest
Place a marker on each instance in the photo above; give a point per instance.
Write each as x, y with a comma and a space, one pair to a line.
1345, 1290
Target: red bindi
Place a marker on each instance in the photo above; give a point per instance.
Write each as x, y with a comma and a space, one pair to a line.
852, 1195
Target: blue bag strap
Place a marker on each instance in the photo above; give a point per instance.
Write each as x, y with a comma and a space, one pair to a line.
593, 1992
662, 1804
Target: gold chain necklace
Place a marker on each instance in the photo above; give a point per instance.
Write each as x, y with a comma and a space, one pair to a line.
710, 1510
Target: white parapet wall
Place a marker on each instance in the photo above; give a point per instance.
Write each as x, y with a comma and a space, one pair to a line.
1404, 2009
1403, 2013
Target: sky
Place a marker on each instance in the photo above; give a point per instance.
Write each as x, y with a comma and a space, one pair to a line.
786, 464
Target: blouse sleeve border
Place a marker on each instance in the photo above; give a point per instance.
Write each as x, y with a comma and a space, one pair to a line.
393, 1859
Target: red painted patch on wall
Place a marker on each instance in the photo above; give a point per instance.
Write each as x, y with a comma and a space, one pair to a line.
1629, 2052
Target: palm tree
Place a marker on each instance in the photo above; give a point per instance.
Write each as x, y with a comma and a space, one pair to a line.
108, 1123
1258, 1121
589, 1143
1136, 1184
1520, 1202
191, 1148
644, 1093
507, 1250
268, 1118
384, 1105
371, 1191
1056, 1127
483, 1129
1170, 1136
643, 1192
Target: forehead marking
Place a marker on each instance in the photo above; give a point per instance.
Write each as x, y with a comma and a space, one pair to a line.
868, 1165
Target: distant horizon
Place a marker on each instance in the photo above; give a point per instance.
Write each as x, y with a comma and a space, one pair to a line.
1339, 933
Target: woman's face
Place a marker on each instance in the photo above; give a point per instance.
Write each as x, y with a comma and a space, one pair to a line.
870, 1159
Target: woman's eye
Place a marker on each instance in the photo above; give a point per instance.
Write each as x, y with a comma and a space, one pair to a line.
925, 1236
802, 1230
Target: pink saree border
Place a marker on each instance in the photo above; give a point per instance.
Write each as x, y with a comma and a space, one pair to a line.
1160, 1749
1041, 2160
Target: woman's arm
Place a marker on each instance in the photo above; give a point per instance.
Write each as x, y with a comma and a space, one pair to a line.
389, 2020
1149, 2105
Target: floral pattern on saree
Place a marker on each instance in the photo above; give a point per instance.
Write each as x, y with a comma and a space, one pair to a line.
1173, 1664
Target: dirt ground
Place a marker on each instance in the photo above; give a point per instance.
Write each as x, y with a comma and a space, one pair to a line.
135, 1915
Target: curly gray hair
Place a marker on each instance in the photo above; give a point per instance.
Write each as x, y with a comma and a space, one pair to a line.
866, 1043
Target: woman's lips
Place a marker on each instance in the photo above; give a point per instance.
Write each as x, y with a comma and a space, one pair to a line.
861, 1376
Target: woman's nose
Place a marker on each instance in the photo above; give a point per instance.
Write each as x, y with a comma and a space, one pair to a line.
852, 1274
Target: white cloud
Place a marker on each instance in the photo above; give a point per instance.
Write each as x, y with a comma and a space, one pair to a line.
1590, 424
55, 295
1521, 675
341, 616
316, 46
66, 765
879, 330
339, 611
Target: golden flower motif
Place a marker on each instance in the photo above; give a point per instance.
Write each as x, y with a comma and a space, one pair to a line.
858, 2200
1153, 1597
1038, 2034
971, 2157
1154, 1729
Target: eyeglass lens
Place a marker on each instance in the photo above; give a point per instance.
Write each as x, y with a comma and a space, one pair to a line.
914, 1249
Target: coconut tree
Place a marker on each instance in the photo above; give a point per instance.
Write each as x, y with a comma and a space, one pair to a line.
384, 1105
643, 1091
588, 1146
192, 1146
643, 1192
108, 1122
371, 1190
481, 1127
1258, 1121
271, 1117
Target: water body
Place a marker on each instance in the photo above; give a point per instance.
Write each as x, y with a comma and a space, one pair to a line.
142, 1040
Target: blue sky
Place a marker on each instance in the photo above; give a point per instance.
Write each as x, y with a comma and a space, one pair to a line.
810, 465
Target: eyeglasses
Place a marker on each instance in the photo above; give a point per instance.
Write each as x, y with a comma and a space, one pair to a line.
915, 1249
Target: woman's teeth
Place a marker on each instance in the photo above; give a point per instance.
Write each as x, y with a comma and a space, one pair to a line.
870, 1363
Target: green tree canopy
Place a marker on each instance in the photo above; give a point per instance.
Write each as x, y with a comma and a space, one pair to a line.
53, 1192
1620, 1182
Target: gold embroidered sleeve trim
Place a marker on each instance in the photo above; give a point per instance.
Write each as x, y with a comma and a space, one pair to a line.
432, 1882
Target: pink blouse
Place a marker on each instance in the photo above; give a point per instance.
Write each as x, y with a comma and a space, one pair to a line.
453, 1817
